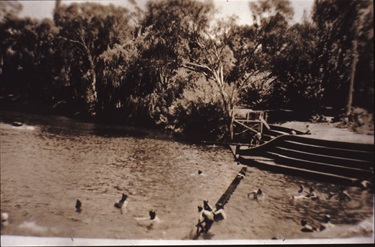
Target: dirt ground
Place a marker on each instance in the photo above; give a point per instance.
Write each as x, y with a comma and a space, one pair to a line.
330, 131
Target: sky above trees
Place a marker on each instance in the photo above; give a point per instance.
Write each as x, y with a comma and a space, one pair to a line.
43, 9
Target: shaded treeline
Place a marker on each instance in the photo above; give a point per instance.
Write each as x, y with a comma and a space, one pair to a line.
175, 67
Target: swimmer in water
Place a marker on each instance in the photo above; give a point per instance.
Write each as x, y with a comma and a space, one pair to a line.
219, 213
4, 219
78, 206
153, 215
363, 184
306, 227
301, 189
341, 196
311, 195
257, 194
327, 223
122, 203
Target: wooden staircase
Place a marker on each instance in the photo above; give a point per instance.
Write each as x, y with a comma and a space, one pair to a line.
332, 161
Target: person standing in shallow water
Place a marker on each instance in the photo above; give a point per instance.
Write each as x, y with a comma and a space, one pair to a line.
219, 213
206, 219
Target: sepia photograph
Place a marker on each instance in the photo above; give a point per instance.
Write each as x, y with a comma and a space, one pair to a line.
186, 122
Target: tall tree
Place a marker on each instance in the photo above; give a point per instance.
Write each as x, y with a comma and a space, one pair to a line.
340, 24
163, 42
86, 31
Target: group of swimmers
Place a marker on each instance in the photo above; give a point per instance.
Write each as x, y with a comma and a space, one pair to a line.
326, 224
207, 216
342, 196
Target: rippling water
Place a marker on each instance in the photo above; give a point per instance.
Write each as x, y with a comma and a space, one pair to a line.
50, 162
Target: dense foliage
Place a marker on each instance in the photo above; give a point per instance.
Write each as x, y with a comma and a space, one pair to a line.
174, 66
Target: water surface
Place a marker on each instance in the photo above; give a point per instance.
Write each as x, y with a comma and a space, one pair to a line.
50, 162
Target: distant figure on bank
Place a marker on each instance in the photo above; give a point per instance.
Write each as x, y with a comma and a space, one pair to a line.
306, 227
257, 194
308, 131
293, 132
78, 206
326, 223
256, 138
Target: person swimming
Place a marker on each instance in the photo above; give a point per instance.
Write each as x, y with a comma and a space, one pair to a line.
152, 214
4, 219
342, 195
122, 203
301, 189
257, 194
219, 213
78, 206
310, 195
306, 227
326, 223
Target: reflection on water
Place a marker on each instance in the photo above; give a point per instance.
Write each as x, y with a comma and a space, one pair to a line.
50, 162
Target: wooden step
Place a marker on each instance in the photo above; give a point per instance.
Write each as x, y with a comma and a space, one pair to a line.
334, 144
347, 162
276, 132
285, 129
319, 166
296, 171
331, 151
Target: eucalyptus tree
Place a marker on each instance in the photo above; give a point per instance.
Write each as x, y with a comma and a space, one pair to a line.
236, 58
27, 59
85, 32
298, 85
163, 41
345, 31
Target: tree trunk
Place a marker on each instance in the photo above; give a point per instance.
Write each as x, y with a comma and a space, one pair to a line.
91, 94
352, 78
